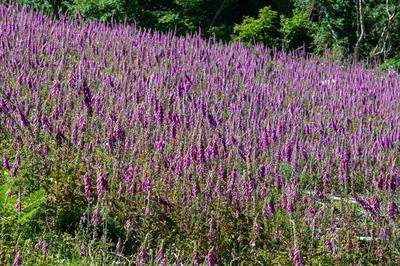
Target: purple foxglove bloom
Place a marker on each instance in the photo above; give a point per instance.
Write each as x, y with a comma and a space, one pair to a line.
384, 233
379, 252
392, 210
9, 193
211, 260
210, 236
18, 206
59, 137
144, 256
128, 226
342, 179
119, 247
146, 184
374, 202
160, 257
269, 210
296, 255
195, 259
101, 184
364, 204
6, 163
195, 189
95, 218
17, 259
22, 119
81, 252
15, 166
160, 146
55, 88
325, 179
211, 222
41, 246
87, 185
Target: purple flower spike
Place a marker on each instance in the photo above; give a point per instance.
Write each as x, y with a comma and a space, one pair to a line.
211, 260
6, 163
41, 246
17, 259
87, 185
101, 184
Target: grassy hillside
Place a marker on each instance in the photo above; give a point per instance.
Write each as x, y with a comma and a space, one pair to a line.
121, 147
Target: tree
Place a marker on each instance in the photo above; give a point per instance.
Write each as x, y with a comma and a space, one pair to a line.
263, 29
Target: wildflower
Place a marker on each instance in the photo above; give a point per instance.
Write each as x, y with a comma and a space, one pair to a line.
128, 226
374, 202
195, 259
144, 256
296, 255
269, 210
95, 219
101, 184
86, 182
41, 246
17, 259
210, 236
160, 257
211, 222
6, 163
211, 259
18, 206
22, 119
15, 165
391, 210
81, 252
379, 252
119, 247
84, 219
146, 184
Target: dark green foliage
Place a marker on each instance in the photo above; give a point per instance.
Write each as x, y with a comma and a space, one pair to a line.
297, 31
318, 26
262, 29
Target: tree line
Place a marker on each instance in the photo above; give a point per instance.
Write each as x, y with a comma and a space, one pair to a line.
367, 30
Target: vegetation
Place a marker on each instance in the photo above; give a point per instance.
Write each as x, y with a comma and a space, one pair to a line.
347, 29
127, 146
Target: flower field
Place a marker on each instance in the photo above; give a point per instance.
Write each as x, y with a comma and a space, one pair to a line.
122, 146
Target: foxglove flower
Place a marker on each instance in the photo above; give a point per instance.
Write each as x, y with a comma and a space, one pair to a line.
119, 247
128, 226
87, 185
81, 252
18, 206
195, 258
41, 246
17, 259
6, 163
392, 210
296, 255
101, 184
211, 260
160, 259
95, 218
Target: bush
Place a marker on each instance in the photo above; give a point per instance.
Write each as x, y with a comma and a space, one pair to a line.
297, 31
263, 29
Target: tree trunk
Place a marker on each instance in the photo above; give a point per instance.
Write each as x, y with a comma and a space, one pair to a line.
361, 34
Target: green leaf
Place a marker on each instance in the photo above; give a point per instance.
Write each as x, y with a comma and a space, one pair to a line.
32, 205
4, 188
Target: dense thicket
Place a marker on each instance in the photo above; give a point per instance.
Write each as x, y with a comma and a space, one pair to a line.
349, 29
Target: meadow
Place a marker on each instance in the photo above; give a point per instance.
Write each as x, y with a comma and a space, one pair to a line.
124, 146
